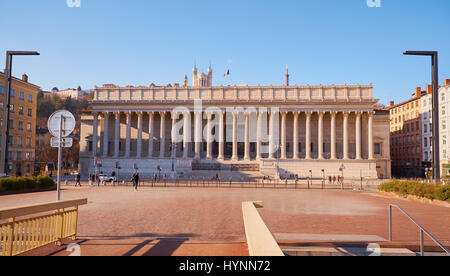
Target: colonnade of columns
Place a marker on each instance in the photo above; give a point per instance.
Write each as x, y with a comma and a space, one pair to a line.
274, 144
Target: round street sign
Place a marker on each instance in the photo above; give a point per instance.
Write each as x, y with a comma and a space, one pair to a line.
55, 120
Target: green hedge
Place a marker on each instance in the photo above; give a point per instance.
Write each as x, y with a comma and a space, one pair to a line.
416, 188
25, 183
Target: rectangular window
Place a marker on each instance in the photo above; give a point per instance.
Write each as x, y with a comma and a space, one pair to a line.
20, 125
11, 123
12, 93
30, 112
19, 141
30, 98
2, 90
29, 127
378, 149
12, 108
21, 110
28, 142
22, 95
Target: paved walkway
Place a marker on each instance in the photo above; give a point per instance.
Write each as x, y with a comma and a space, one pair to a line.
214, 216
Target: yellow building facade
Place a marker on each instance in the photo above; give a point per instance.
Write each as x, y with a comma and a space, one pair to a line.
22, 134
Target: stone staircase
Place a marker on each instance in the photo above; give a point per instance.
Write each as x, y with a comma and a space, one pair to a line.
340, 245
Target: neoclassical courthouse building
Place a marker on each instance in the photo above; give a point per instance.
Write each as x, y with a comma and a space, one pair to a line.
299, 130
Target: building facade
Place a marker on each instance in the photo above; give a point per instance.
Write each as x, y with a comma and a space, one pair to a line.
444, 127
406, 137
274, 130
23, 110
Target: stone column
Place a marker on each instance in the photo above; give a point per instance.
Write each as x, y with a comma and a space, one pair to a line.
106, 135
139, 140
345, 137
186, 134
128, 139
308, 135
247, 136
320, 137
283, 135
209, 137
235, 156
272, 135
117, 135
358, 136
162, 138
333, 135
296, 149
95, 135
173, 135
221, 136
258, 136
370, 134
150, 133
198, 134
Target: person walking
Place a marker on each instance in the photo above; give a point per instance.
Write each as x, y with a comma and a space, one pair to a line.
77, 180
135, 180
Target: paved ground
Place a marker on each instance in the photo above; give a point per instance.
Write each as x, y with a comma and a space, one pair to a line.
214, 216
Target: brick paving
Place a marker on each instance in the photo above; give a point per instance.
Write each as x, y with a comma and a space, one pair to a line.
214, 216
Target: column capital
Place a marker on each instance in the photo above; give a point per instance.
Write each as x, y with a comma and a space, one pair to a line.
320, 113
371, 114
151, 113
296, 114
140, 114
308, 114
162, 113
346, 114
333, 114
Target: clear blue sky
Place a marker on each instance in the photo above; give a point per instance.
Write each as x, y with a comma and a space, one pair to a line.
137, 42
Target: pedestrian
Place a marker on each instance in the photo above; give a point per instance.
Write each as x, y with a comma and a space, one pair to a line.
334, 180
77, 180
135, 180
90, 179
330, 179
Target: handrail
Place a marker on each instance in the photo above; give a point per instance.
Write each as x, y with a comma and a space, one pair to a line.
26, 210
34, 231
259, 239
422, 230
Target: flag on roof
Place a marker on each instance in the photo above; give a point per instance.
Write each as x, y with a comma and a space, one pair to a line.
226, 74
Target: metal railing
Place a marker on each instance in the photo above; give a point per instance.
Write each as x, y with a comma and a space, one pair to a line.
422, 231
20, 236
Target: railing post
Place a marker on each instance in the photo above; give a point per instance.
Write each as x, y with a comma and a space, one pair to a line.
75, 227
59, 226
422, 249
10, 242
390, 222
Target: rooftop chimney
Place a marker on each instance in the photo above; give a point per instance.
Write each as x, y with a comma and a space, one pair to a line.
391, 103
429, 89
447, 82
418, 92
25, 77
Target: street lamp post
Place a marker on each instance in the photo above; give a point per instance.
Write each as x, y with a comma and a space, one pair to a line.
435, 122
5, 129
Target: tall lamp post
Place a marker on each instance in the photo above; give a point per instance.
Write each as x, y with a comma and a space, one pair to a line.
5, 130
435, 83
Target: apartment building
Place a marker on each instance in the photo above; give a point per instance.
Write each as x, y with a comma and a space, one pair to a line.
406, 136
23, 111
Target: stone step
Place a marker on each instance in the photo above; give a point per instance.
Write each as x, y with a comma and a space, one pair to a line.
346, 251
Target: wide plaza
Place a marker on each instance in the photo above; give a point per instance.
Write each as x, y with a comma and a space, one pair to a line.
214, 215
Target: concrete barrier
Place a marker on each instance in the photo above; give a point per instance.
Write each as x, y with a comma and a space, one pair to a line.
260, 240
